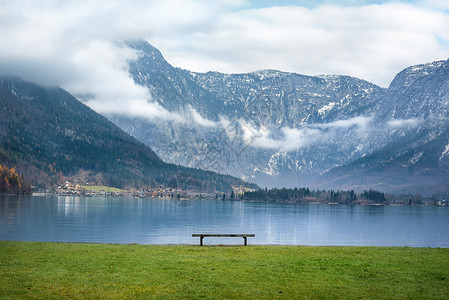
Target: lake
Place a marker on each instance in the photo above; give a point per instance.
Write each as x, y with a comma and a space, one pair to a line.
162, 221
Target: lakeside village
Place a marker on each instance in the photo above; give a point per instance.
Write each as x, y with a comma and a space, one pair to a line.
297, 195
75, 188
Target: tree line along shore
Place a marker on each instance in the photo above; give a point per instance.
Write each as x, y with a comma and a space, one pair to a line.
305, 195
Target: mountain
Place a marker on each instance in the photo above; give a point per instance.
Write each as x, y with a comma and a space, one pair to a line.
230, 113
282, 129
47, 134
415, 156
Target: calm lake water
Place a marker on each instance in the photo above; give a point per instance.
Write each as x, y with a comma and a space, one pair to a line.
157, 221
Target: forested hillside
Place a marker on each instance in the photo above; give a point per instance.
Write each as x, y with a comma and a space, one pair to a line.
47, 134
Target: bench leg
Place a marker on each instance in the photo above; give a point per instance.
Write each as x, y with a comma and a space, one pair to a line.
201, 240
245, 240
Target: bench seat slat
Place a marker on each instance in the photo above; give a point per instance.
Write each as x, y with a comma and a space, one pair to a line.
223, 235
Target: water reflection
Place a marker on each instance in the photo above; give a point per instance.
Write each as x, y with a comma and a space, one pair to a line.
158, 221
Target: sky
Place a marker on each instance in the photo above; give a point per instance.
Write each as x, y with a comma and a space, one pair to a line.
75, 44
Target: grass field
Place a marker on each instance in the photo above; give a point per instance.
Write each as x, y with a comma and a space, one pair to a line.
98, 188
57, 270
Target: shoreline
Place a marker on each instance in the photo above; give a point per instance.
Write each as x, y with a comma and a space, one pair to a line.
40, 194
224, 245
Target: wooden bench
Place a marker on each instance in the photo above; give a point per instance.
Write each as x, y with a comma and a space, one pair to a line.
202, 235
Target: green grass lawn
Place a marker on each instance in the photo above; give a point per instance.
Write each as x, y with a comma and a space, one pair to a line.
57, 270
98, 188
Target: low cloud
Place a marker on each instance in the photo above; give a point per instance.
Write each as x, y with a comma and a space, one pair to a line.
297, 138
361, 122
258, 138
398, 123
203, 122
76, 45
152, 112
286, 139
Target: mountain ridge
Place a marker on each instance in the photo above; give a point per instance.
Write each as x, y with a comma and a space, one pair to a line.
416, 151
323, 122
238, 102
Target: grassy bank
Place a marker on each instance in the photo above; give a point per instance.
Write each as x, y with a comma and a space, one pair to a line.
56, 270
99, 188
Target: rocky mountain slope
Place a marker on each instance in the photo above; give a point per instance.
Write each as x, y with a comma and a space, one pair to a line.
415, 156
285, 129
252, 125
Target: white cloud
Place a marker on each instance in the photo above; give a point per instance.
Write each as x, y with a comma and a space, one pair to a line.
397, 123
297, 138
198, 119
259, 138
288, 139
138, 108
73, 43
361, 122
372, 42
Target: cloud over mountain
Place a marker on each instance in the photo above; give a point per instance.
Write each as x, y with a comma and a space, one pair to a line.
76, 44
